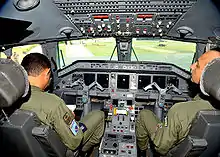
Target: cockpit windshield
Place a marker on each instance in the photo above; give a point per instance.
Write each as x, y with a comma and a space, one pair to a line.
168, 51
161, 50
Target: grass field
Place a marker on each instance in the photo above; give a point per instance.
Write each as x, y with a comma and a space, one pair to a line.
143, 47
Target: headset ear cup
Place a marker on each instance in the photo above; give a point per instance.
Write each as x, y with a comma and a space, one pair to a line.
25, 5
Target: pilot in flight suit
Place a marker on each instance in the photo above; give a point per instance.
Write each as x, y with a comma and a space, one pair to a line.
179, 119
52, 110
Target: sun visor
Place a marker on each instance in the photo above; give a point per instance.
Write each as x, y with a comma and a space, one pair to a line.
210, 79
13, 82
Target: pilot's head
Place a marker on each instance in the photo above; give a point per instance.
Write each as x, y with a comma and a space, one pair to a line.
38, 68
197, 67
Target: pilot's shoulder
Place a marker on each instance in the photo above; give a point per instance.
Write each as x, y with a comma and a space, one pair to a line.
190, 104
52, 98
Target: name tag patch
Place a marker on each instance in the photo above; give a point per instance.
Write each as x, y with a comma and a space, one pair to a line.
83, 127
74, 128
67, 118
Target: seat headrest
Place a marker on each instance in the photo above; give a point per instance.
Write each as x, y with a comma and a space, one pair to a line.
210, 79
13, 82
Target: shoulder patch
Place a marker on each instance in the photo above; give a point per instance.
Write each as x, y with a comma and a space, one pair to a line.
67, 118
74, 128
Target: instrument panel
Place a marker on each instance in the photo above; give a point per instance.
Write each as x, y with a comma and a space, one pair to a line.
120, 80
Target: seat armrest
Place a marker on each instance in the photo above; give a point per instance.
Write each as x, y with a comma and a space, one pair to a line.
49, 141
191, 146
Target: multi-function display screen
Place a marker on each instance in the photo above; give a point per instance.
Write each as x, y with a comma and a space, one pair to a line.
123, 82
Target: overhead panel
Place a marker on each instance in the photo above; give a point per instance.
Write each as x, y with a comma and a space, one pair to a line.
144, 18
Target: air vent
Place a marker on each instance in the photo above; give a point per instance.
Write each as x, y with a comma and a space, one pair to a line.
25, 5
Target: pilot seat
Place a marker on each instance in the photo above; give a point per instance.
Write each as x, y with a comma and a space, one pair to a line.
21, 134
204, 137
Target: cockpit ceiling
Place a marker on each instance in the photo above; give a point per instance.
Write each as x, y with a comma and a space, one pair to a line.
53, 20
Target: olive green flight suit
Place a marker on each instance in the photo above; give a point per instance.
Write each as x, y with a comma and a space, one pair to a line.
175, 128
52, 111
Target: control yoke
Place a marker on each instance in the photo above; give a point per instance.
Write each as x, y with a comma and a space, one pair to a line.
161, 90
162, 96
85, 96
85, 93
78, 82
98, 86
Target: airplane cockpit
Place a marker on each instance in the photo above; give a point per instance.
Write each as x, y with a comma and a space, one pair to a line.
120, 79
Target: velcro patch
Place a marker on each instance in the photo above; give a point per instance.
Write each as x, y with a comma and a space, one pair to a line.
74, 128
67, 118
83, 127
166, 121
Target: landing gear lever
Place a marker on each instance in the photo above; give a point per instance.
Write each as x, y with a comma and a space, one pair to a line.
161, 97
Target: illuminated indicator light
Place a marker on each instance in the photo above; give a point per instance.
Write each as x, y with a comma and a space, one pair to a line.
111, 107
131, 108
115, 111
100, 16
127, 20
117, 17
145, 16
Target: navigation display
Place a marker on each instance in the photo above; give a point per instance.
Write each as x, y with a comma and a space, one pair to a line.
143, 81
89, 78
103, 80
173, 80
160, 80
123, 82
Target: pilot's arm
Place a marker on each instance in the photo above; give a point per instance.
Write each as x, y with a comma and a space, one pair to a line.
64, 124
173, 131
